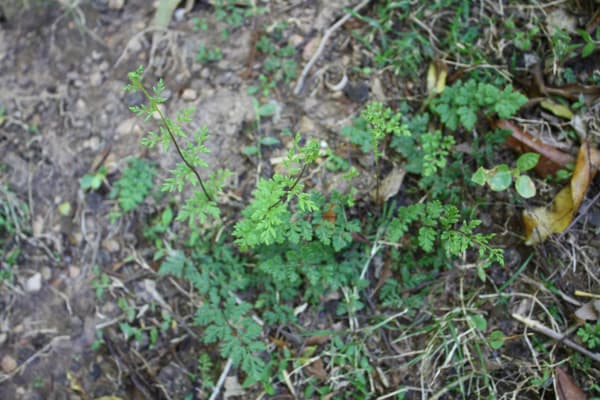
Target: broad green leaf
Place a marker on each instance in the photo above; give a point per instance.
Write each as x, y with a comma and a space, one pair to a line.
560, 110
500, 178
588, 49
266, 109
480, 176
525, 186
496, 340
527, 161
468, 117
64, 208
250, 150
269, 141
167, 216
479, 322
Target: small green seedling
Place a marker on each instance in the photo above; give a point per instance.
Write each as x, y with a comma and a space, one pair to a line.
590, 335
501, 177
94, 180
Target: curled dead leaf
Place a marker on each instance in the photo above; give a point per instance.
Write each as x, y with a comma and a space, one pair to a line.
551, 158
317, 369
540, 222
436, 77
589, 311
566, 387
389, 186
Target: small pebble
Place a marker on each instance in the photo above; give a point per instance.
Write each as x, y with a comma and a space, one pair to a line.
8, 364
126, 127
110, 245
46, 273
34, 283
310, 48
96, 79
80, 105
179, 14
116, 4
189, 94
295, 40
96, 55
74, 271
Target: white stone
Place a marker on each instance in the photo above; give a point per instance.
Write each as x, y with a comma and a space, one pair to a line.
8, 364
74, 271
116, 4
34, 283
189, 94
96, 79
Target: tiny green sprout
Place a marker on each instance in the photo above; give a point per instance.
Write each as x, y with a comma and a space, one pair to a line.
94, 180
496, 340
501, 177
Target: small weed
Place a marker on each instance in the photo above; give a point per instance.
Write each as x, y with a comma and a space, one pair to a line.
205, 368
590, 335
461, 103
13, 218
235, 12
207, 55
562, 47
134, 185
522, 39
100, 283
500, 177
279, 63
93, 181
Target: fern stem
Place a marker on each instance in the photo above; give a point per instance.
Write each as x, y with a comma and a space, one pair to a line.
291, 187
172, 136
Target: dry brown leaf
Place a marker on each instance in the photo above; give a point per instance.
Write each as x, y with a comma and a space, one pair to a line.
551, 159
317, 369
389, 186
566, 388
542, 221
233, 387
573, 92
436, 77
385, 273
589, 311
317, 340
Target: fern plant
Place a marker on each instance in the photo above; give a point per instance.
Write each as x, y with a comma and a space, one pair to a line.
134, 185
440, 226
201, 205
460, 104
297, 243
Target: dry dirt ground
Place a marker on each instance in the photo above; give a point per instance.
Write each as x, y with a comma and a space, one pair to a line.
65, 114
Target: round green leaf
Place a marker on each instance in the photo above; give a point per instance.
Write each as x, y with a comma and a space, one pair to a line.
496, 340
479, 322
525, 186
527, 161
269, 141
250, 150
500, 178
65, 208
480, 176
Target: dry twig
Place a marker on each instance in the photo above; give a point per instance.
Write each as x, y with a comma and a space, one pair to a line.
544, 330
321, 47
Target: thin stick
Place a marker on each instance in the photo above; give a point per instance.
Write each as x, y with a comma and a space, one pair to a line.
37, 354
321, 47
544, 330
219, 384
